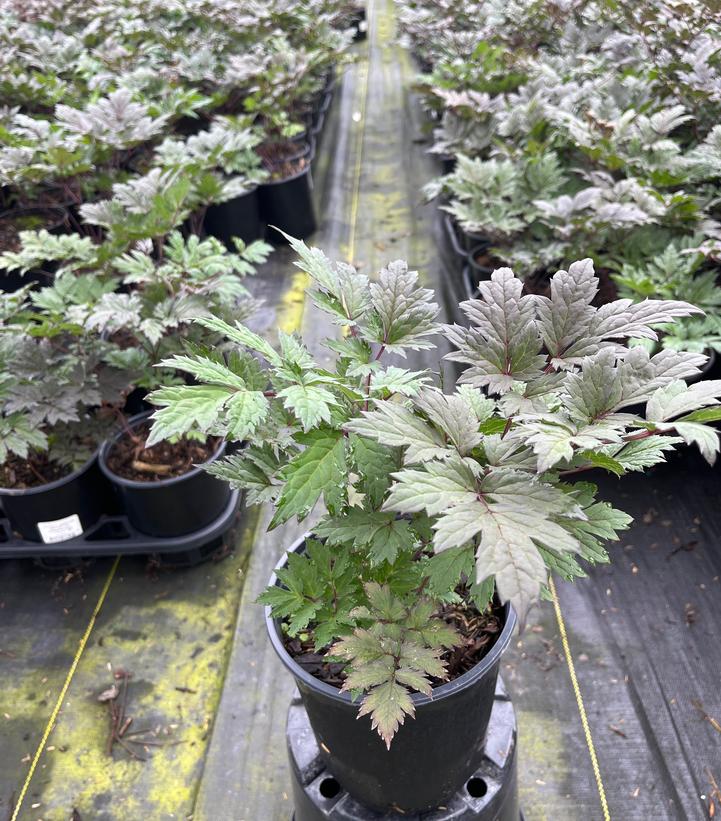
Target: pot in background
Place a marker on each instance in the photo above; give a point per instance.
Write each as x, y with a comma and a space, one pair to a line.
239, 217
288, 203
168, 507
432, 755
56, 221
59, 510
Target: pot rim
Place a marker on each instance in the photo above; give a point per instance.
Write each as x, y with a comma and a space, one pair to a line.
306, 170
56, 483
444, 691
60, 211
104, 450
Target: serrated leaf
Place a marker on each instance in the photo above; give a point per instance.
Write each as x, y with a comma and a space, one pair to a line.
382, 534
454, 415
397, 426
388, 705
318, 469
645, 453
187, 407
242, 336
436, 488
205, 369
244, 411
241, 471
445, 569
503, 343
601, 460
405, 311
678, 398
310, 403
398, 380
375, 463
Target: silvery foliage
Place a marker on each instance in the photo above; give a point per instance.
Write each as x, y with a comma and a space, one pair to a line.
425, 490
116, 120
625, 96
53, 374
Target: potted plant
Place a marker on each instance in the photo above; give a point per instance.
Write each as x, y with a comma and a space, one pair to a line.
438, 510
680, 272
288, 147
55, 379
163, 490
227, 147
139, 305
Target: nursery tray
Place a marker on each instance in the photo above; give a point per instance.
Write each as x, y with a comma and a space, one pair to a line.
113, 535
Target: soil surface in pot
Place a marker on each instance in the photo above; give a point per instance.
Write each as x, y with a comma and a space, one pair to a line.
37, 470
12, 224
130, 459
485, 259
477, 634
282, 160
539, 283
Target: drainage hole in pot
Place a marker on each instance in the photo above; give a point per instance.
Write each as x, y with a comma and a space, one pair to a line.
329, 788
477, 787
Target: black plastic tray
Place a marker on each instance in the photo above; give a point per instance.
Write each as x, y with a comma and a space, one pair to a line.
113, 535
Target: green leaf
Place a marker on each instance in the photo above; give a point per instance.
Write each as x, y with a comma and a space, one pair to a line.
382, 534
436, 488
244, 411
310, 403
205, 369
243, 336
374, 463
398, 380
405, 311
384, 604
601, 460
318, 469
703, 415
645, 453
678, 398
188, 407
247, 471
445, 569
455, 415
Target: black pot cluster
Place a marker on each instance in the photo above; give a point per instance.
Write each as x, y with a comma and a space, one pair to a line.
432, 755
285, 203
64, 509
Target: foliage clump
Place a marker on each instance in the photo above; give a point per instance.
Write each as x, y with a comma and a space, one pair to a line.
428, 496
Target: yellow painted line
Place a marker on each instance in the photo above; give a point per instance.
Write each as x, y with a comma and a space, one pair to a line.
357, 171
64, 691
579, 701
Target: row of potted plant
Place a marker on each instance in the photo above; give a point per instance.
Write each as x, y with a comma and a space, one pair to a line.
84, 113
439, 515
588, 132
140, 156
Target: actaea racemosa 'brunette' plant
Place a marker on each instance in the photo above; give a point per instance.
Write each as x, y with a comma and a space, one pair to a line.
431, 498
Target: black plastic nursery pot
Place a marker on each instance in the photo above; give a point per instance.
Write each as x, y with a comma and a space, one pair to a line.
287, 203
490, 794
172, 507
59, 510
432, 755
239, 217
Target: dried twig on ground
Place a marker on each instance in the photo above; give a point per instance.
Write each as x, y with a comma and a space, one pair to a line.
116, 699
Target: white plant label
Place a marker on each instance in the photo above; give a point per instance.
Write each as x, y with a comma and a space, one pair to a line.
60, 529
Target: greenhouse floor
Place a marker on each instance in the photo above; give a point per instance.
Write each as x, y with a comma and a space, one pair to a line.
643, 633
